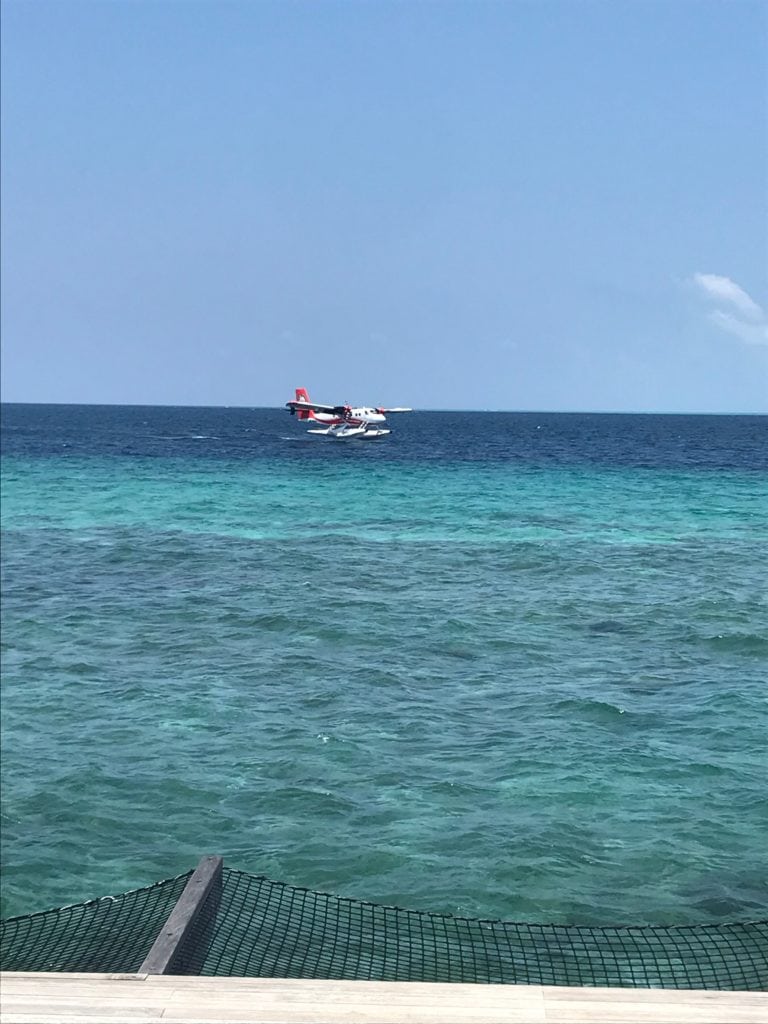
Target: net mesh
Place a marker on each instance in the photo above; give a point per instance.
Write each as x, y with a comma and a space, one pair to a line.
112, 934
262, 928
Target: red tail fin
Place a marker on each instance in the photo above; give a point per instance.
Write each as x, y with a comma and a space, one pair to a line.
303, 396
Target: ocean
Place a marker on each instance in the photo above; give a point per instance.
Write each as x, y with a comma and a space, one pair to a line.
502, 665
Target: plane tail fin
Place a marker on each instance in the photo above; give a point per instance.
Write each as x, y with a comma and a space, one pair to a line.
303, 396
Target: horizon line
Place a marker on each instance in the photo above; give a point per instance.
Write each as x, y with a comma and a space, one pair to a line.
255, 408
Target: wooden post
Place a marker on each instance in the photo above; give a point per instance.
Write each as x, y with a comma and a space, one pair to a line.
171, 951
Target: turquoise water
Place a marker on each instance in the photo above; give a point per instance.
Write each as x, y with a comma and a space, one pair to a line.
504, 666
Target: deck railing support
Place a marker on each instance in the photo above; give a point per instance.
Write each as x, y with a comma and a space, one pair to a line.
183, 939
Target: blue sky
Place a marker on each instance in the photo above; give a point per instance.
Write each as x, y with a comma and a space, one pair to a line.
533, 204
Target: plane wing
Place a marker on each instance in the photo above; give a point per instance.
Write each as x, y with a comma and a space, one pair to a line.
300, 406
303, 405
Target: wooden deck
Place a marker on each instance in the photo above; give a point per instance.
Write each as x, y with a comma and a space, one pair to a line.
157, 999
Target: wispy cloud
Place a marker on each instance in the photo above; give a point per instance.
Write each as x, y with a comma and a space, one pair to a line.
737, 312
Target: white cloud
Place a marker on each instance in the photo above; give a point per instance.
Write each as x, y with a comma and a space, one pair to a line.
751, 333
743, 317
723, 289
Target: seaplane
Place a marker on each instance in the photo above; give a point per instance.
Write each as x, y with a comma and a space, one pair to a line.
342, 422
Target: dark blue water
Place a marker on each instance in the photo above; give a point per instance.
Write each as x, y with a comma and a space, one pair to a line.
531, 439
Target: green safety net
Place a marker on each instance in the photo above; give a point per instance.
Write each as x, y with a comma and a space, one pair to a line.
112, 934
254, 927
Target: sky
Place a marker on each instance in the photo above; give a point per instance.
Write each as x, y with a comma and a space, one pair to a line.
523, 205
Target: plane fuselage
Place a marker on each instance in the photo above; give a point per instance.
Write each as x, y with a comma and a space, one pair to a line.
355, 416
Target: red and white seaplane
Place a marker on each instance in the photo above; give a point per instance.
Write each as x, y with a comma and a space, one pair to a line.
342, 422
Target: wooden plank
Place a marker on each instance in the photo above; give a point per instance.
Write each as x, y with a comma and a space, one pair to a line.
149, 999
88, 1014
99, 1010
168, 947
653, 1006
66, 977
